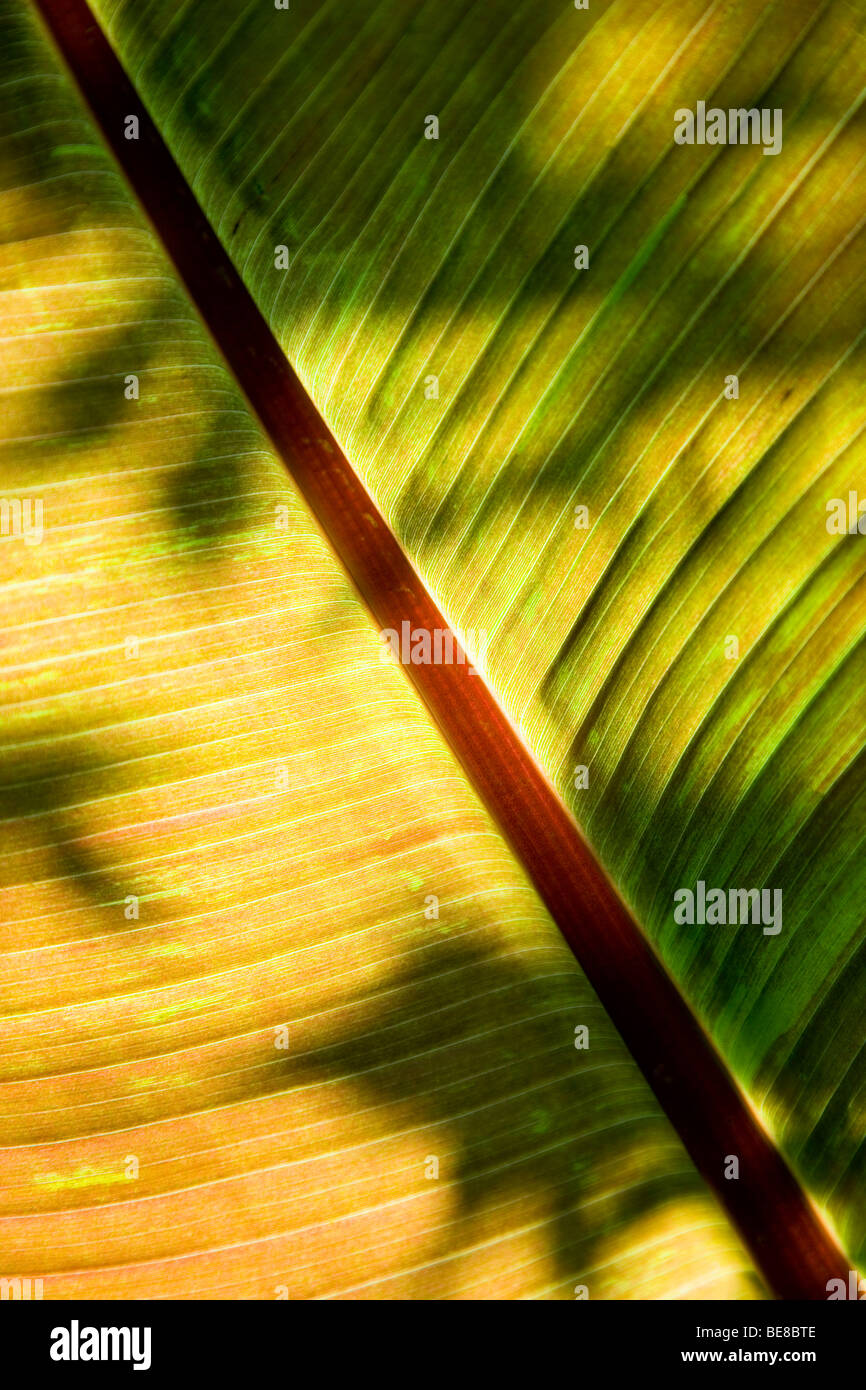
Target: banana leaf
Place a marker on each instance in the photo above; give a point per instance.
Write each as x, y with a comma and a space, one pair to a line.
284, 1013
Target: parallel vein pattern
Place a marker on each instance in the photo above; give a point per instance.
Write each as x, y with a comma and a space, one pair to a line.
223, 821
560, 388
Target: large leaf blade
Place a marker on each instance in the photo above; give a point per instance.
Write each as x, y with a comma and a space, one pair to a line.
454, 257
158, 774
